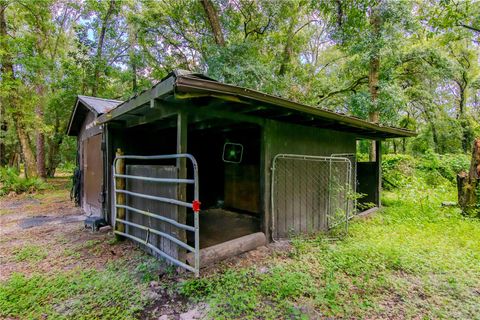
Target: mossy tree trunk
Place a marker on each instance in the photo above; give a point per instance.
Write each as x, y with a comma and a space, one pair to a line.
468, 184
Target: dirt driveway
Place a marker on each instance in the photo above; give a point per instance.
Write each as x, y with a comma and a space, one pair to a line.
45, 233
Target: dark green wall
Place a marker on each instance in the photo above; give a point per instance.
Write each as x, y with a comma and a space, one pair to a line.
280, 137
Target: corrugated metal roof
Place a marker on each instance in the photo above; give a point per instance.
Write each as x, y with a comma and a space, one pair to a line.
99, 105
85, 104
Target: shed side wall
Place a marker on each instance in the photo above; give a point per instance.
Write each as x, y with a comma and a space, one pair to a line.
83, 135
280, 137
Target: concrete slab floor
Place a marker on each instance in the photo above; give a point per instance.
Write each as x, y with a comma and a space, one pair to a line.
219, 225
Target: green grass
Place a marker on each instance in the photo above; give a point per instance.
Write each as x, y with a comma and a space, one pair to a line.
412, 259
113, 293
30, 253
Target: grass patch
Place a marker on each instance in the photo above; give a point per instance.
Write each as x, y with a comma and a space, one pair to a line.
412, 259
113, 293
30, 253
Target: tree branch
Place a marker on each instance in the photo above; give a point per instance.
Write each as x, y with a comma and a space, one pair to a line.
351, 87
469, 27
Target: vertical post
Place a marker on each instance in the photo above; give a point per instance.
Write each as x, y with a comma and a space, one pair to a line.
266, 175
182, 174
378, 161
120, 185
106, 170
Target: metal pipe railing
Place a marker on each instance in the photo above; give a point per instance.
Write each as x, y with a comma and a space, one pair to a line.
161, 199
164, 180
156, 216
195, 205
160, 252
160, 233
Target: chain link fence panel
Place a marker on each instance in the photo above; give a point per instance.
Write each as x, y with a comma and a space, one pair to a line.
353, 161
310, 194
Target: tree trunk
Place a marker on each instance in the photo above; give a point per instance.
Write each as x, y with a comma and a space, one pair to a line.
468, 184
287, 50
431, 122
3, 132
28, 155
3, 121
462, 104
40, 137
463, 99
436, 143
54, 147
53, 158
132, 39
214, 22
374, 75
99, 54
373, 117
12, 99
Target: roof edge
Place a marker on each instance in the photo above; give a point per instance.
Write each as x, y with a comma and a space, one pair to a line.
72, 116
187, 83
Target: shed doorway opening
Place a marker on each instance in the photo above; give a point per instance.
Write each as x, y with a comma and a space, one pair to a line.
229, 168
368, 175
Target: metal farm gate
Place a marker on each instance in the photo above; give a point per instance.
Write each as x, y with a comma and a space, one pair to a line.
309, 194
146, 206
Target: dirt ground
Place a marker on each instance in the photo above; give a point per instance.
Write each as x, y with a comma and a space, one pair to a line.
50, 222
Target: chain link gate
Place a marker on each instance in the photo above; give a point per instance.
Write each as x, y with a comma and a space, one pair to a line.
353, 160
309, 194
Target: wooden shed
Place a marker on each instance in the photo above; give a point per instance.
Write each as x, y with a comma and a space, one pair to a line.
256, 162
89, 148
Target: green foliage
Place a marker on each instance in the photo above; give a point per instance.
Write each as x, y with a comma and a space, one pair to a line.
80, 294
433, 169
426, 255
282, 283
148, 269
11, 181
396, 170
30, 253
236, 293
447, 165
314, 52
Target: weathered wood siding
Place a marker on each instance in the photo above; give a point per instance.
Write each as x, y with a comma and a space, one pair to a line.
157, 207
91, 160
93, 171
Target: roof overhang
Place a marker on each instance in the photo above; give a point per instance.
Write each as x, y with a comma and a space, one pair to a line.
184, 85
84, 105
188, 84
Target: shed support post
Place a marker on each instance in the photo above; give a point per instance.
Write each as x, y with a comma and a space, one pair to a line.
106, 203
120, 185
181, 164
378, 161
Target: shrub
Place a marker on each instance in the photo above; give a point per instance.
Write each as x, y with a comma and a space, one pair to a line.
431, 169
435, 166
11, 181
282, 283
396, 170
